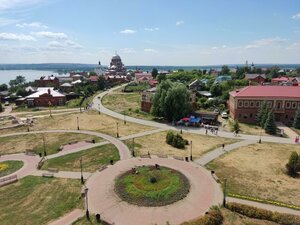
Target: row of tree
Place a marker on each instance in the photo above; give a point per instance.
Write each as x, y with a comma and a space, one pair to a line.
266, 119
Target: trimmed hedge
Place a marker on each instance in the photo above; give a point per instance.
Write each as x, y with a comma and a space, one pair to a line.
257, 213
176, 140
214, 217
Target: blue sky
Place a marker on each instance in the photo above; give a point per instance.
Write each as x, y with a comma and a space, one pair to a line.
150, 32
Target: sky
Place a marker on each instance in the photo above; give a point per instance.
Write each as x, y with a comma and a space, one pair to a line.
150, 32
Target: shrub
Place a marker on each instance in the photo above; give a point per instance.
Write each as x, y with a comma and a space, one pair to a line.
213, 217
293, 166
176, 140
257, 213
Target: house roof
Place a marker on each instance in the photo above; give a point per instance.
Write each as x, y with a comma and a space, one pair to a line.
268, 92
280, 79
42, 91
93, 78
250, 76
66, 85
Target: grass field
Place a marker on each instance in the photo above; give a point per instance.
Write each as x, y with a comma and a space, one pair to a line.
90, 120
85, 221
259, 170
156, 144
92, 159
34, 142
128, 103
37, 200
9, 167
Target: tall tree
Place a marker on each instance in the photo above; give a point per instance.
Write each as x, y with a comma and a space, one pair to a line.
101, 83
270, 125
296, 122
261, 114
20, 80
216, 90
3, 87
159, 98
154, 73
225, 70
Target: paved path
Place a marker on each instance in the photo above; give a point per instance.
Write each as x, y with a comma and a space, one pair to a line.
219, 151
69, 218
103, 109
122, 148
30, 164
204, 193
63, 174
288, 131
264, 206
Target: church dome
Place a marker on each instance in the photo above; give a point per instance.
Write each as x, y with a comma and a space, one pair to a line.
116, 57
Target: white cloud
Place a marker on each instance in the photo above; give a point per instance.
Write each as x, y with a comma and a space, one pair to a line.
15, 37
127, 31
151, 29
51, 35
296, 17
216, 47
128, 50
266, 42
73, 44
32, 25
150, 50
179, 23
68, 44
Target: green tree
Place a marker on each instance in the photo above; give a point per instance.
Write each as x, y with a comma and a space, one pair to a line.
261, 115
270, 125
159, 98
3, 87
20, 80
216, 90
154, 73
161, 77
1, 108
225, 70
293, 166
101, 83
274, 71
296, 122
235, 126
92, 73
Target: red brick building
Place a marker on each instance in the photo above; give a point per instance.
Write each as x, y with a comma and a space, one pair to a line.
255, 78
46, 97
283, 100
51, 81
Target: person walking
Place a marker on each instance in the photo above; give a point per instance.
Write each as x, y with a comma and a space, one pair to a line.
223, 147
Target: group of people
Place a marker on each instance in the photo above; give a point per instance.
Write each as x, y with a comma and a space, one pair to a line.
213, 130
297, 139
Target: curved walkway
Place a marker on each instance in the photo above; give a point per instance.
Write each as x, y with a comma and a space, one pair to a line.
103, 109
102, 199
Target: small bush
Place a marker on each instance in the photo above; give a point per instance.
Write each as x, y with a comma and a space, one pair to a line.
262, 214
213, 217
137, 110
176, 140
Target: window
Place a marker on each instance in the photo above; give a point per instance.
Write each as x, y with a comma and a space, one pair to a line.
240, 104
286, 116
240, 115
278, 105
245, 116
294, 105
288, 105
251, 115
60, 101
246, 104
269, 104
257, 104
252, 104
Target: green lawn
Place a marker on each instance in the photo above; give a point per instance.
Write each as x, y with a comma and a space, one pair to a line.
37, 200
10, 166
34, 142
85, 221
92, 159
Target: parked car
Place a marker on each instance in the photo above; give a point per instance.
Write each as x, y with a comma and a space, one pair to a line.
6, 103
224, 115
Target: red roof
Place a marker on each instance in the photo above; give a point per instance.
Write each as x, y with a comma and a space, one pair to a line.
93, 78
280, 79
268, 91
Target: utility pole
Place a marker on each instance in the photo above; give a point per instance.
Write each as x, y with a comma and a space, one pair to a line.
191, 157
77, 123
224, 192
82, 181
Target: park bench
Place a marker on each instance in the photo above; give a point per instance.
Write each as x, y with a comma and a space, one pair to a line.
29, 152
73, 142
8, 180
102, 168
49, 175
53, 170
178, 158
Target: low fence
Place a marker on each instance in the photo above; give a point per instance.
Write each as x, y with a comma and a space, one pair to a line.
8, 180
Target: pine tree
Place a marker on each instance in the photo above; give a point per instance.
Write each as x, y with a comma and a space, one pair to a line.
293, 166
270, 126
261, 114
296, 122
1, 109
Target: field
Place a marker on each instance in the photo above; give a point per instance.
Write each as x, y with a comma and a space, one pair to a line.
90, 120
34, 142
128, 103
37, 200
259, 170
9, 167
92, 159
156, 144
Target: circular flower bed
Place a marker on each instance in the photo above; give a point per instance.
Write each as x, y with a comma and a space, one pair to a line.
10, 166
152, 186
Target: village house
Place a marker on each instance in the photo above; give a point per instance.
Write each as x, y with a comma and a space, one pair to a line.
255, 78
287, 81
51, 81
45, 96
283, 100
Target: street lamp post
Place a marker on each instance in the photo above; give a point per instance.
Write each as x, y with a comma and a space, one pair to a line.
118, 130
191, 157
133, 154
77, 123
181, 128
224, 192
124, 118
82, 181
99, 108
259, 140
44, 145
87, 213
